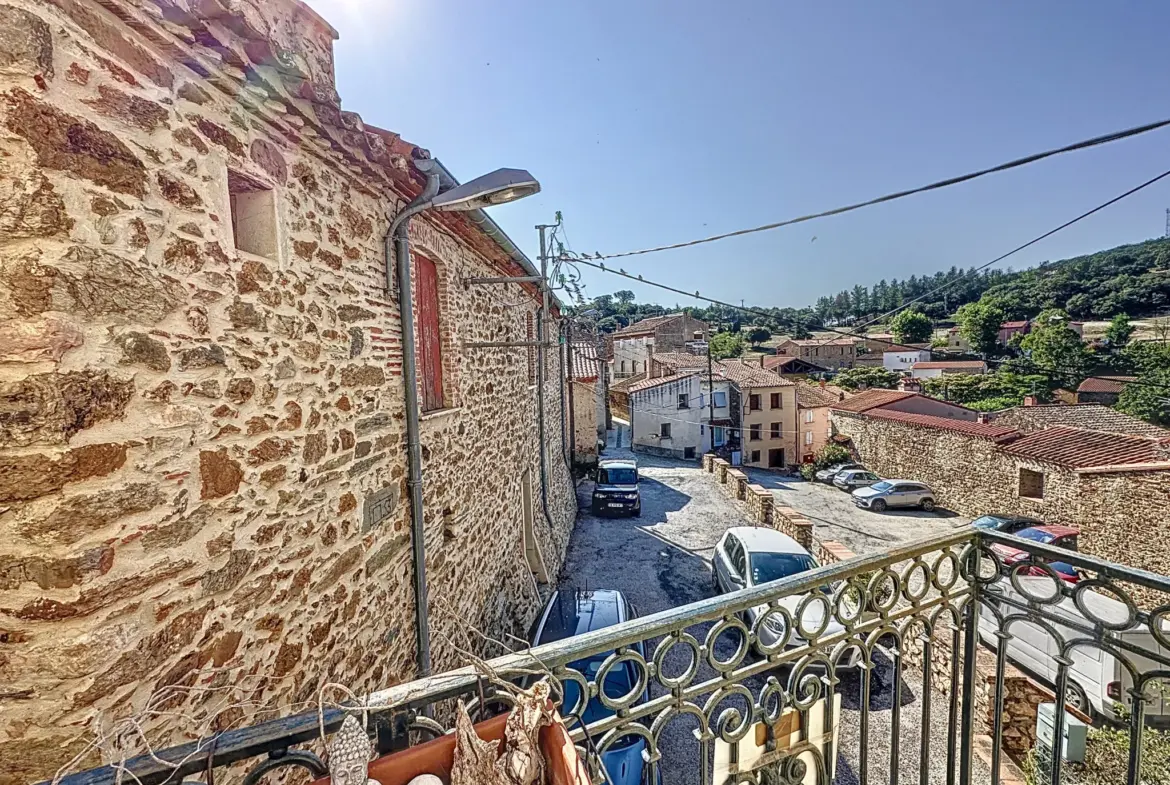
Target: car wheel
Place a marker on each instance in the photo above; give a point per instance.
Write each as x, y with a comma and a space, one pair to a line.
638, 511
878, 505
1075, 697
928, 505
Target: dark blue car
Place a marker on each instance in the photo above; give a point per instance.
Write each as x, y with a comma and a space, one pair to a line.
572, 612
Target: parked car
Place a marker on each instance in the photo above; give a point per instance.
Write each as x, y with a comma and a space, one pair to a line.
1056, 536
851, 479
894, 493
616, 489
1006, 524
827, 474
572, 612
751, 555
1096, 679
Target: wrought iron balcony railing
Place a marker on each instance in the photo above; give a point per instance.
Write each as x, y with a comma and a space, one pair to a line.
879, 671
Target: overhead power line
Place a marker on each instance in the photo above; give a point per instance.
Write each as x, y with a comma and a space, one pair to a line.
1082, 145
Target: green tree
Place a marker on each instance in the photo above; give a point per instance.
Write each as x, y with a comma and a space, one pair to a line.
911, 326
800, 333
1054, 349
625, 296
979, 323
757, 335
866, 378
1119, 331
725, 345
1148, 397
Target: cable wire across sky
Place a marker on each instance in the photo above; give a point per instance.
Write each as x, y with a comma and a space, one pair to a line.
1013, 164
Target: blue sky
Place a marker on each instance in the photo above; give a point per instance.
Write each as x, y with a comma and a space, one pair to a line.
652, 122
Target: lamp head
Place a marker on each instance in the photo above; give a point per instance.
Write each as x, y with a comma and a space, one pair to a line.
498, 187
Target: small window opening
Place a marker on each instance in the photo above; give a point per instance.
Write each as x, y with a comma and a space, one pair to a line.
253, 207
1031, 484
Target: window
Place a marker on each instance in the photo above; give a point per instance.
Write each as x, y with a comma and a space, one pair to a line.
755, 432
720, 398
664, 430
634, 365
253, 206
777, 402
623, 366
688, 452
755, 456
754, 403
775, 431
808, 437
717, 434
430, 353
1031, 484
684, 401
808, 416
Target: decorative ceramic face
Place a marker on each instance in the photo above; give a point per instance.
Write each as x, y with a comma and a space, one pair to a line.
349, 755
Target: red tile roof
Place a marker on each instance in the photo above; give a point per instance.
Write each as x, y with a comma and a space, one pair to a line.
1014, 325
1105, 384
646, 384
1077, 448
870, 399
747, 375
680, 360
646, 326
779, 363
980, 429
975, 365
811, 396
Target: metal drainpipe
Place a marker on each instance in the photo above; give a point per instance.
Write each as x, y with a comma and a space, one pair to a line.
398, 235
541, 315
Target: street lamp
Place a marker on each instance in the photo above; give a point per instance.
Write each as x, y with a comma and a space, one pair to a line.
498, 187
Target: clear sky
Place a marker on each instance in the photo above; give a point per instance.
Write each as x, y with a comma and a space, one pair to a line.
649, 123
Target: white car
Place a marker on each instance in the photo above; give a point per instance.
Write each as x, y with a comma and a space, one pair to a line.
749, 556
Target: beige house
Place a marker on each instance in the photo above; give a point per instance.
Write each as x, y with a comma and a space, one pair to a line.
767, 414
828, 353
813, 424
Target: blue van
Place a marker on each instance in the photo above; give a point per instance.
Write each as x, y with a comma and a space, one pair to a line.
572, 612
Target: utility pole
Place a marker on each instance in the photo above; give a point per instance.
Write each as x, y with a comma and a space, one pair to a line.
541, 316
711, 396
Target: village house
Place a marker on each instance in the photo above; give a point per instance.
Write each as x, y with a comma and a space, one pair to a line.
932, 368
1103, 389
204, 474
651, 412
669, 333
813, 423
1033, 417
768, 414
588, 394
1113, 486
1009, 330
957, 342
905, 402
833, 353
876, 343
901, 358
665, 416
791, 367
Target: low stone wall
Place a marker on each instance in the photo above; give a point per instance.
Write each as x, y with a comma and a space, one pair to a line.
721, 469
737, 483
760, 504
709, 462
795, 525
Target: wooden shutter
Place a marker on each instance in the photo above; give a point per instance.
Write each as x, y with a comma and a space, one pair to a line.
430, 353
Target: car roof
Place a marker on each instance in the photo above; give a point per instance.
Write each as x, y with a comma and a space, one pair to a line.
856, 471
1056, 530
760, 539
1003, 516
914, 482
618, 463
575, 612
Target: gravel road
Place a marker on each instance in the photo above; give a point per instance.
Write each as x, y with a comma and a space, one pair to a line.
662, 560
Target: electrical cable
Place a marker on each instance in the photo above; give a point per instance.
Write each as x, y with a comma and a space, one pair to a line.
1082, 145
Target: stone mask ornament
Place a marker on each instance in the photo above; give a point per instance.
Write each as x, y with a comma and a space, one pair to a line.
350, 752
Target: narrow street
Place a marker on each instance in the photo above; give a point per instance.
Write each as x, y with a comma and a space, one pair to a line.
662, 560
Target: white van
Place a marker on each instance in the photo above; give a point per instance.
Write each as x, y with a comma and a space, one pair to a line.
1096, 680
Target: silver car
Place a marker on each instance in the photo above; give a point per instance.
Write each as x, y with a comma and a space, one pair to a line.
895, 493
852, 479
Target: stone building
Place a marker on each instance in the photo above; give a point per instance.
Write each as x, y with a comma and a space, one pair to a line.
767, 418
589, 395
1113, 486
202, 466
833, 353
670, 333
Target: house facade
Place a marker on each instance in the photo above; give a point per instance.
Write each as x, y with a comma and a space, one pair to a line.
203, 478
932, 369
665, 416
832, 353
669, 333
814, 423
1009, 330
767, 415
902, 358
1104, 390
588, 396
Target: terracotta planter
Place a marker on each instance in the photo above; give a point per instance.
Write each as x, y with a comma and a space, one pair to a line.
436, 756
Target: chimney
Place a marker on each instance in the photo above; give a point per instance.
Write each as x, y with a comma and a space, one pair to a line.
653, 369
761, 361
1030, 400
982, 418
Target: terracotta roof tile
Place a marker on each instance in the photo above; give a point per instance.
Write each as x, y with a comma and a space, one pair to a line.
646, 384
1077, 448
646, 326
979, 429
748, 375
870, 399
1105, 384
812, 396
1088, 416
681, 359
623, 385
779, 363
1014, 325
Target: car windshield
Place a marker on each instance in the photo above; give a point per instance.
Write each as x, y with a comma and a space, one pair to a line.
617, 475
774, 566
1035, 535
882, 486
987, 522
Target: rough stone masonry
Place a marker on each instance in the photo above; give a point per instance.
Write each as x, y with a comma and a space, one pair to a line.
201, 392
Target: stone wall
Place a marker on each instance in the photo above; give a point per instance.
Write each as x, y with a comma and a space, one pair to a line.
202, 473
585, 420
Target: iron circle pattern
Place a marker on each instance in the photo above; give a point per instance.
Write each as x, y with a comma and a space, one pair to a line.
1020, 570
884, 590
802, 612
1159, 621
773, 612
805, 688
1108, 588
772, 692
849, 594
623, 655
907, 580
727, 623
952, 561
732, 724
564, 674
975, 555
664, 647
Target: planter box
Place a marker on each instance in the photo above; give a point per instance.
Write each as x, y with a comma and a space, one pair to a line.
436, 756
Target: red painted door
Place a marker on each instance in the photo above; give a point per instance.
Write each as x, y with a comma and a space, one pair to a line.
430, 354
